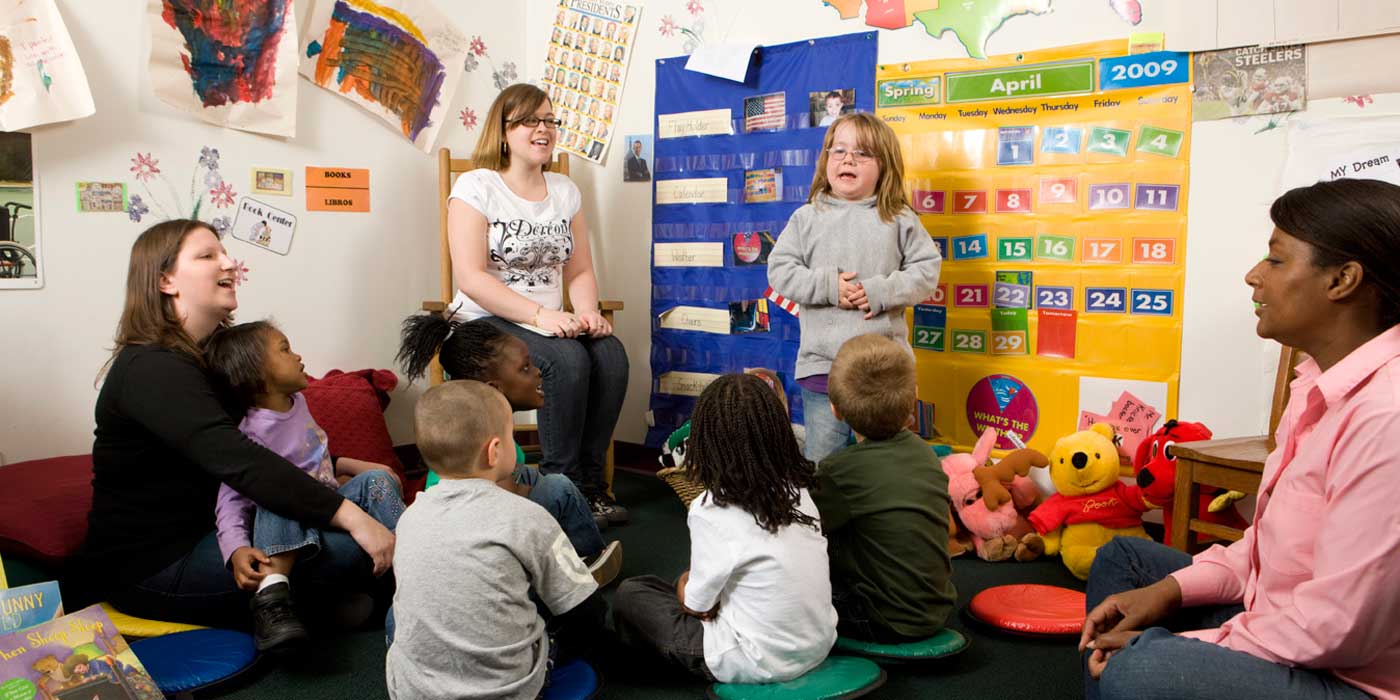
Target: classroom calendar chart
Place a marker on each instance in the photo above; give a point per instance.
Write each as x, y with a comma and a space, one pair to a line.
1055, 184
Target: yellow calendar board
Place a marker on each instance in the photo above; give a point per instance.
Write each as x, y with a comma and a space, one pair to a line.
1055, 183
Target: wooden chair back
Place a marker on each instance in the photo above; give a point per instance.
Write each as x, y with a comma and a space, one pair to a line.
1288, 359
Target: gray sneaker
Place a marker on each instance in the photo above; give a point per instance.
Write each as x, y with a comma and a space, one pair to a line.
606, 565
604, 506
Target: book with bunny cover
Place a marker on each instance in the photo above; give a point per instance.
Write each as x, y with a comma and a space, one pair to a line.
26, 606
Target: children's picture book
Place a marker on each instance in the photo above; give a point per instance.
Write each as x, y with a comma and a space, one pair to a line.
75, 657
26, 606
763, 185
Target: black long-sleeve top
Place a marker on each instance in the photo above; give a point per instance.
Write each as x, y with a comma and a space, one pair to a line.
165, 440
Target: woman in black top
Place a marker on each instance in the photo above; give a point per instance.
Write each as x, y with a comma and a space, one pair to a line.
166, 439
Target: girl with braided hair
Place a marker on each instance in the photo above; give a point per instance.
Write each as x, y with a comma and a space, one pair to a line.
480, 351
755, 606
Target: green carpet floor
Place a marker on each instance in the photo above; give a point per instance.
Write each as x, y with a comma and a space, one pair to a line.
994, 666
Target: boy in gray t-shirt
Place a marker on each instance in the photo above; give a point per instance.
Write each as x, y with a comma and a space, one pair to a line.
469, 554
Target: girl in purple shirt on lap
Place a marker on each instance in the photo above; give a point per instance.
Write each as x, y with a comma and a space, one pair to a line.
259, 546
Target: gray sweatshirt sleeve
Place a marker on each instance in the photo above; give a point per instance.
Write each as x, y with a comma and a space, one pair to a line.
788, 272
917, 275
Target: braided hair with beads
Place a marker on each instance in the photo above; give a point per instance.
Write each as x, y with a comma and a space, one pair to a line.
743, 452
466, 350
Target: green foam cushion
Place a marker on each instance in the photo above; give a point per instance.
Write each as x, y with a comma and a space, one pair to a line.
837, 677
946, 643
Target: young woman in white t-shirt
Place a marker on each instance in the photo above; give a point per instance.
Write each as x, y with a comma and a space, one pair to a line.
518, 239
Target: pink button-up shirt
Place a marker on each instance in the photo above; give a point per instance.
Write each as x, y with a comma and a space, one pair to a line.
1319, 569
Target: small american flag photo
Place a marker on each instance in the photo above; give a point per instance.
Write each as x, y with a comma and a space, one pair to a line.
765, 112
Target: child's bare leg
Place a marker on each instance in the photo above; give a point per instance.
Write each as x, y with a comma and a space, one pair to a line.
281, 563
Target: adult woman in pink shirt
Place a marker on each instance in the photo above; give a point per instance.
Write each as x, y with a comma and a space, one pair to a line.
1307, 603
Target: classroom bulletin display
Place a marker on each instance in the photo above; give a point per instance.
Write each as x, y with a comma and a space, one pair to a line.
1055, 184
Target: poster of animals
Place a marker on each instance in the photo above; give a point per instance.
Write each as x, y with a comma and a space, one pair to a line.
231, 62
41, 79
399, 59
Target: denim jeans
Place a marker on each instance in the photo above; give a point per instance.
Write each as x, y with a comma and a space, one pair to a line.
825, 434
648, 617
373, 491
585, 381
1160, 664
556, 494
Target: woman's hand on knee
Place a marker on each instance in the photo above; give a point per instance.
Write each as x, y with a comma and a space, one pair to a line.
1130, 610
1105, 646
560, 323
594, 324
373, 537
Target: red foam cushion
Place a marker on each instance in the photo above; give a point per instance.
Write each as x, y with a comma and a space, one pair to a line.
45, 503
1030, 608
349, 406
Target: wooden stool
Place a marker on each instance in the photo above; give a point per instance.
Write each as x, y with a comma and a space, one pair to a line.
1235, 464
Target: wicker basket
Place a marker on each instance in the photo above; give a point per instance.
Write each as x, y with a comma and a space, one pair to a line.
678, 478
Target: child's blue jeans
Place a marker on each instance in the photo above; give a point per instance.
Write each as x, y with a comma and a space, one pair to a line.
825, 433
559, 495
373, 491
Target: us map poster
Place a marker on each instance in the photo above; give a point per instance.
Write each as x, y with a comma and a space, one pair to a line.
1055, 184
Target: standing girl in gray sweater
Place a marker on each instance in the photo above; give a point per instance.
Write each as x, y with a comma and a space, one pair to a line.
854, 256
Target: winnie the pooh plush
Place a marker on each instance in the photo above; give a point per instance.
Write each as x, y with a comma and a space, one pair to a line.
1091, 505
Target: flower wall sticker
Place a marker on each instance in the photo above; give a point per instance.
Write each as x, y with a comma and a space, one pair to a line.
205, 179
694, 35
240, 272
1359, 100
501, 78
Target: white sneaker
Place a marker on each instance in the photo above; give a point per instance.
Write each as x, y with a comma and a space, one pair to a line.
606, 565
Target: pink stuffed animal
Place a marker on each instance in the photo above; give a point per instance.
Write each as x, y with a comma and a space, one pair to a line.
992, 501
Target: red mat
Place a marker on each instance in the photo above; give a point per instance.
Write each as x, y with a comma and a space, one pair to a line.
1030, 609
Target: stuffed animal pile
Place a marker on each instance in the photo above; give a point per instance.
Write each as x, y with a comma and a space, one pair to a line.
991, 502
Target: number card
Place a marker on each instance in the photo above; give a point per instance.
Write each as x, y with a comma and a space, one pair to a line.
1014, 201
1047, 297
1061, 139
929, 324
1105, 300
1016, 145
970, 295
1059, 190
1014, 248
1113, 196
1103, 250
1153, 302
1157, 197
928, 201
1059, 248
1103, 139
969, 341
1161, 251
969, 202
938, 298
941, 243
1009, 332
1009, 295
1055, 332
1159, 142
970, 247
1142, 70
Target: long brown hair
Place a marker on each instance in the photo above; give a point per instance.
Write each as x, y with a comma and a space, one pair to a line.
514, 102
148, 315
878, 138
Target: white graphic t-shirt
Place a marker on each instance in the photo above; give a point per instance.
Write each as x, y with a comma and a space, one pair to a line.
527, 242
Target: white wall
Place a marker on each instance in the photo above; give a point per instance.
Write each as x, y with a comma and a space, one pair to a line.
340, 293
1227, 372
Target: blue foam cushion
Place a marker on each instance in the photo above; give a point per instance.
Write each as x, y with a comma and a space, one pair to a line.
836, 678
574, 680
187, 661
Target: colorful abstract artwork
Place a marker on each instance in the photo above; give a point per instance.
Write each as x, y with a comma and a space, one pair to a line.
232, 62
41, 78
396, 58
